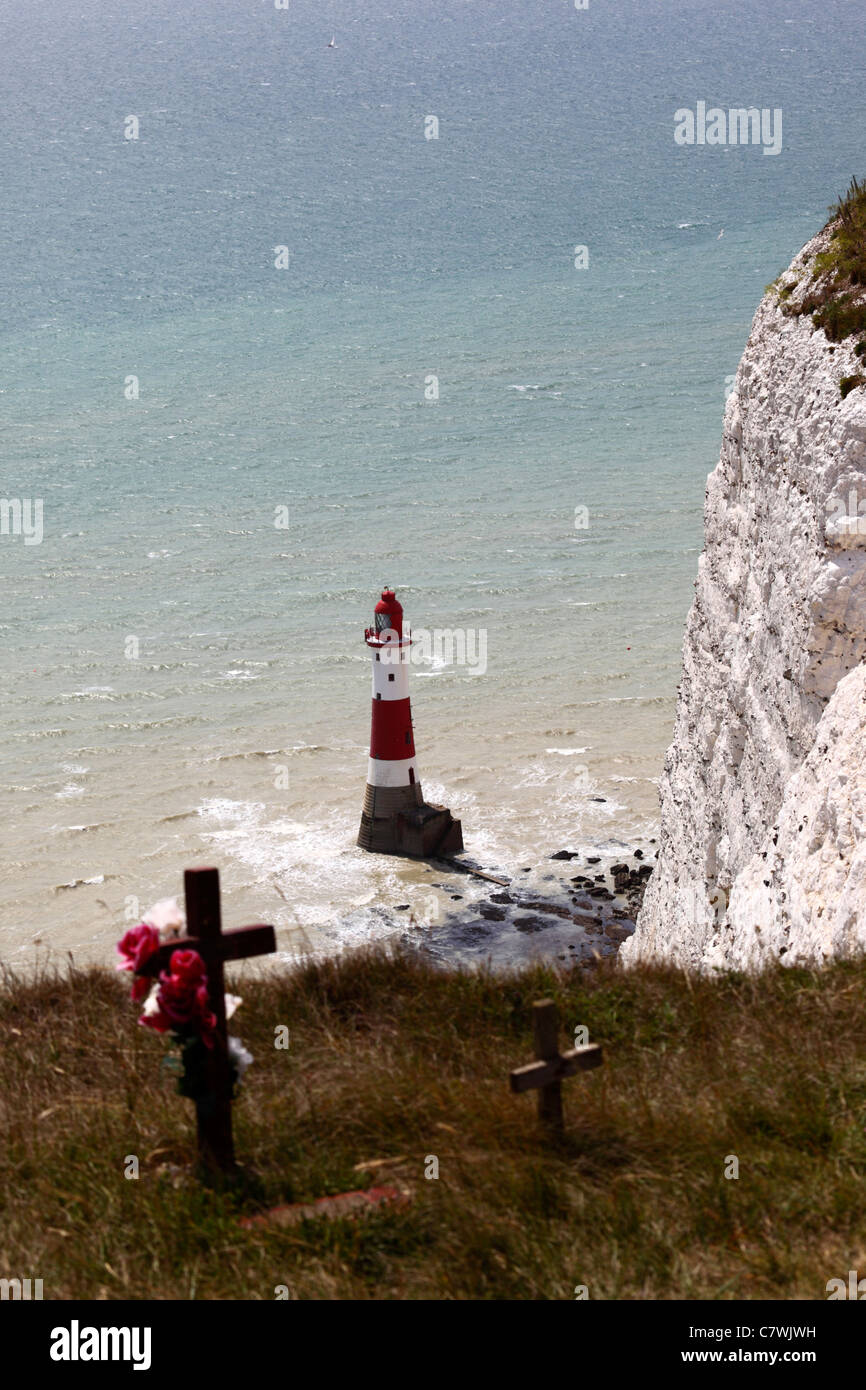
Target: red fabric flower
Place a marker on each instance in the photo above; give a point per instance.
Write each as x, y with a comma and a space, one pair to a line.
182, 999
187, 966
137, 946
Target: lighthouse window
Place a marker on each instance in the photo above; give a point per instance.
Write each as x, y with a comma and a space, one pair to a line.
408, 736
391, 677
383, 621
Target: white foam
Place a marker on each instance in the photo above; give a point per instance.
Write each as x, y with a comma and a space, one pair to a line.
80, 882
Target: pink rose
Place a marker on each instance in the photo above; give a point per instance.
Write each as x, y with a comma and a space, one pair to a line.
187, 966
157, 1020
206, 1019
137, 946
182, 998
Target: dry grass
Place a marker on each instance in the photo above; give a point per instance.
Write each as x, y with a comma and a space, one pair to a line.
391, 1058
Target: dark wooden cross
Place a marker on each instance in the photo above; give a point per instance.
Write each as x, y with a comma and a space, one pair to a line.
545, 1075
205, 935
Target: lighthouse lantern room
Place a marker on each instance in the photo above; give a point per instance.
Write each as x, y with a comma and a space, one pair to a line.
396, 819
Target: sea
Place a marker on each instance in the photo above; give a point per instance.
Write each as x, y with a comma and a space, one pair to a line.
301, 299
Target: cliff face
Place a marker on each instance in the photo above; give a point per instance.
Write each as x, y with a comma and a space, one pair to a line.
763, 797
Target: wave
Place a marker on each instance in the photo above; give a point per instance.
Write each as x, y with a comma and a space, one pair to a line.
537, 390
538, 386
289, 752
82, 829
80, 883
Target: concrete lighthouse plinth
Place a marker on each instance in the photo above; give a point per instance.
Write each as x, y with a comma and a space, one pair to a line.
396, 819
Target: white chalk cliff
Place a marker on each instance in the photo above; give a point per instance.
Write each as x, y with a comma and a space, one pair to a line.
763, 797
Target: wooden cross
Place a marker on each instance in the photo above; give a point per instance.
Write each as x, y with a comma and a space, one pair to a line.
545, 1075
205, 935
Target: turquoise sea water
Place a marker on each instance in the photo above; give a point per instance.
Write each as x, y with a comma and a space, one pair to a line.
304, 388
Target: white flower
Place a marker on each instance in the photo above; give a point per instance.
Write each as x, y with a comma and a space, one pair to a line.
168, 918
150, 1005
239, 1057
233, 1002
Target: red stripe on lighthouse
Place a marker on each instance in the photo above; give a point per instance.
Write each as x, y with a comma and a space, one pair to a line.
391, 733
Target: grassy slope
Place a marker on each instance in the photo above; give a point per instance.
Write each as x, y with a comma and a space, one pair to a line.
390, 1057
836, 293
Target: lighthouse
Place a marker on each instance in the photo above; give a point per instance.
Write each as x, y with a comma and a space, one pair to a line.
396, 819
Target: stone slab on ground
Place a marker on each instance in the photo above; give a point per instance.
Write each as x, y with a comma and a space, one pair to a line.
340, 1205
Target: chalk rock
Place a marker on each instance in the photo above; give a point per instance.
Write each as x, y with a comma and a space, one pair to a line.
803, 895
778, 621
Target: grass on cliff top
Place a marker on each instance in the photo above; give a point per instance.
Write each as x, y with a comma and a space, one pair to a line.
393, 1059
837, 298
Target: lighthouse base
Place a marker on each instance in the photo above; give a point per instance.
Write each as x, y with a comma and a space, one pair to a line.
397, 820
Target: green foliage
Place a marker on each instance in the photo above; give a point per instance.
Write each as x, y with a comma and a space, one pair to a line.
837, 300
192, 1080
848, 383
848, 247
840, 317
782, 292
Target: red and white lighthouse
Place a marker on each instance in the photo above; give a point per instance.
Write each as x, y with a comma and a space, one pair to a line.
396, 819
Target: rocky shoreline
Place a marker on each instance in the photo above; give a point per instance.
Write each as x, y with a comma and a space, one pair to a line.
514, 922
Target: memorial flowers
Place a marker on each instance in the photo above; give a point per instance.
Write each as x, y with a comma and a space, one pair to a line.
181, 1002
178, 1002
134, 948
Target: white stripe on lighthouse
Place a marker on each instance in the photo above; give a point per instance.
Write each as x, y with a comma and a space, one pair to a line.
383, 687
389, 772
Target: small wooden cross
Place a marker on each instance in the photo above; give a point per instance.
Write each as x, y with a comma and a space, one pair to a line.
545, 1075
205, 935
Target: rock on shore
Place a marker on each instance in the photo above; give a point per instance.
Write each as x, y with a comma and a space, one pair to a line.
582, 917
